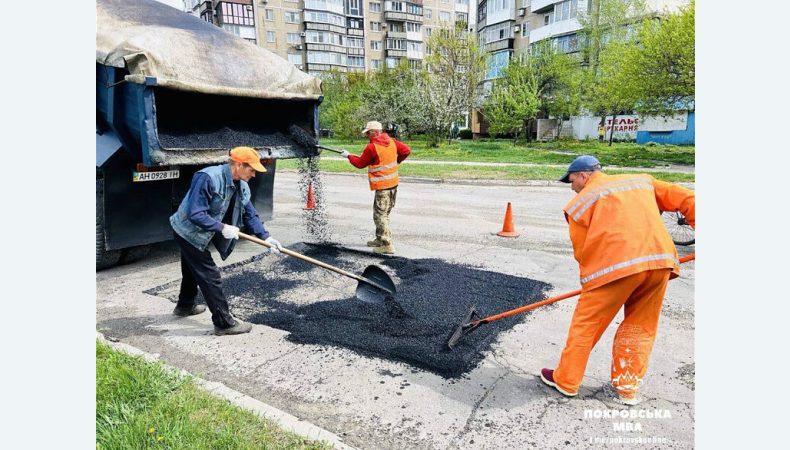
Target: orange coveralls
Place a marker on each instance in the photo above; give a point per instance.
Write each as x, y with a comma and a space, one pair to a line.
626, 257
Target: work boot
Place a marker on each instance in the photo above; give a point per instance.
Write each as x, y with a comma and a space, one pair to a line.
239, 328
547, 376
374, 243
184, 312
385, 249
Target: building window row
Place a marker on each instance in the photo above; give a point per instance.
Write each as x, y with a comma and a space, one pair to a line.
323, 37
234, 13
335, 6
374, 6
338, 59
324, 17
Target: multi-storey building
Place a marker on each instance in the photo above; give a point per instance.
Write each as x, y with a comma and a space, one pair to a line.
236, 16
506, 27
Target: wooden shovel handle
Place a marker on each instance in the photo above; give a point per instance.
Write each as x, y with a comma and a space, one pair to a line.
304, 258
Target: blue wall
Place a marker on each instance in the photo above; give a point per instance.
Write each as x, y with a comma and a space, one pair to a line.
677, 137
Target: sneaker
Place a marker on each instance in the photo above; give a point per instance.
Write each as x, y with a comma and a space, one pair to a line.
374, 243
547, 376
239, 328
194, 310
628, 399
385, 249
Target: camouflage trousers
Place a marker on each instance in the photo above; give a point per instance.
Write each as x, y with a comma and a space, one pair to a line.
383, 202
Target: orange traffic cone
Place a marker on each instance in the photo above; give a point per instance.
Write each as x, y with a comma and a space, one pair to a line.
310, 199
508, 230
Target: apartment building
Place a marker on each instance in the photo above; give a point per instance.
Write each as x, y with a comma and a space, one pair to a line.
506, 27
343, 35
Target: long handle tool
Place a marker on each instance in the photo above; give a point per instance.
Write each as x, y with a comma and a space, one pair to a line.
374, 285
469, 325
302, 137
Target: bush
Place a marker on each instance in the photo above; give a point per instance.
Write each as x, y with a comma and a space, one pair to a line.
466, 133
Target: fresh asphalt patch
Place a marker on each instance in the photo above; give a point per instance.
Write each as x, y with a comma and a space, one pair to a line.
317, 306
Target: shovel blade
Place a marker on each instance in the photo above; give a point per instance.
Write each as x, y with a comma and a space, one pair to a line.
379, 287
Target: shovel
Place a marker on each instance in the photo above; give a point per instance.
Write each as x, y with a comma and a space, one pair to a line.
469, 325
374, 286
303, 138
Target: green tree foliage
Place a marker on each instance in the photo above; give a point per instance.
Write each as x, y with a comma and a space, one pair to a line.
390, 96
340, 110
514, 99
454, 66
662, 70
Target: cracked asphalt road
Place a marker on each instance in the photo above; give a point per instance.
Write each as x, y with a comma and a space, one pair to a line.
383, 404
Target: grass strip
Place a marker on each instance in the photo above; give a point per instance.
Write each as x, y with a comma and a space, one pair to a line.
625, 154
470, 172
140, 404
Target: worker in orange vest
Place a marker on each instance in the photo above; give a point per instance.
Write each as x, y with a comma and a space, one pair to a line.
626, 257
381, 156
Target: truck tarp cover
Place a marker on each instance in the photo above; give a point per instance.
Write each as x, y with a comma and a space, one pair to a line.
184, 52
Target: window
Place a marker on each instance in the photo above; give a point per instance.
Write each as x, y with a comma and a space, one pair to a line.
444, 16
355, 23
374, 7
295, 58
355, 7
353, 42
398, 27
392, 62
396, 44
547, 19
497, 64
375, 45
415, 46
413, 27
565, 10
414, 9
326, 58
428, 13
395, 6
375, 64
356, 61
234, 13
461, 17
566, 44
325, 17
292, 16
293, 38
375, 26
269, 14
270, 36
428, 31
323, 37
525, 29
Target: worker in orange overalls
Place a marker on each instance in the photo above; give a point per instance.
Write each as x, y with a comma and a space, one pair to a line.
626, 257
381, 156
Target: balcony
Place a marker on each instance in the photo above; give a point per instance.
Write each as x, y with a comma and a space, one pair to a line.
396, 16
540, 6
499, 45
396, 34
325, 27
394, 53
356, 51
356, 32
554, 29
315, 46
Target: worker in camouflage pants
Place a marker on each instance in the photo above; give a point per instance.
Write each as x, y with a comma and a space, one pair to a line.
381, 156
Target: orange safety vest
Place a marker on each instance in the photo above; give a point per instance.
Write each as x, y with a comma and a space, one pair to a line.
384, 175
616, 228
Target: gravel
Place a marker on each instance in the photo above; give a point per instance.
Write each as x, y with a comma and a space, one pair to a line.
223, 138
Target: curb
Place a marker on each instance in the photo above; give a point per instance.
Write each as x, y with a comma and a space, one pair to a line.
286, 421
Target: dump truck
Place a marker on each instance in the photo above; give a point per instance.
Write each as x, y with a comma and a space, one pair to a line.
173, 95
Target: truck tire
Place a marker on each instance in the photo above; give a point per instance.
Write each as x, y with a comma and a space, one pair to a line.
104, 258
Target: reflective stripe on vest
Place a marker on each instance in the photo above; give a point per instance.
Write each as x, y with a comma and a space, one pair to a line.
384, 175
588, 200
631, 262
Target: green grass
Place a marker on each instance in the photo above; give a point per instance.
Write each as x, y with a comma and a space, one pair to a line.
555, 152
142, 405
467, 172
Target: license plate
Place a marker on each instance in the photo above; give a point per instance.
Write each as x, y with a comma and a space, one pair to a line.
154, 176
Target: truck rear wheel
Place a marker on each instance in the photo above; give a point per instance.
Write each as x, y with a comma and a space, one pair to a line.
104, 258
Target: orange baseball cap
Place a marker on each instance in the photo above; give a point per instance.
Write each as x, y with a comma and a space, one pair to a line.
247, 155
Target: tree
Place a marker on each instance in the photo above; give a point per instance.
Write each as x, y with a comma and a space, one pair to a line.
453, 68
608, 47
340, 110
513, 101
391, 97
663, 68
559, 81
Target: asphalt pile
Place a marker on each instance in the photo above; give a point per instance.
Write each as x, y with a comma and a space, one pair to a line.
432, 300
222, 138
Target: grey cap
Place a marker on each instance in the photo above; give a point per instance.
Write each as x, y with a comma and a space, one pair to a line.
581, 164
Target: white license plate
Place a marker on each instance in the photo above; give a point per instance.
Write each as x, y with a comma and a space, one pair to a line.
154, 176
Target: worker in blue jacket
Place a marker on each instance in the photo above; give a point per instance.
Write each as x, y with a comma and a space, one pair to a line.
216, 205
